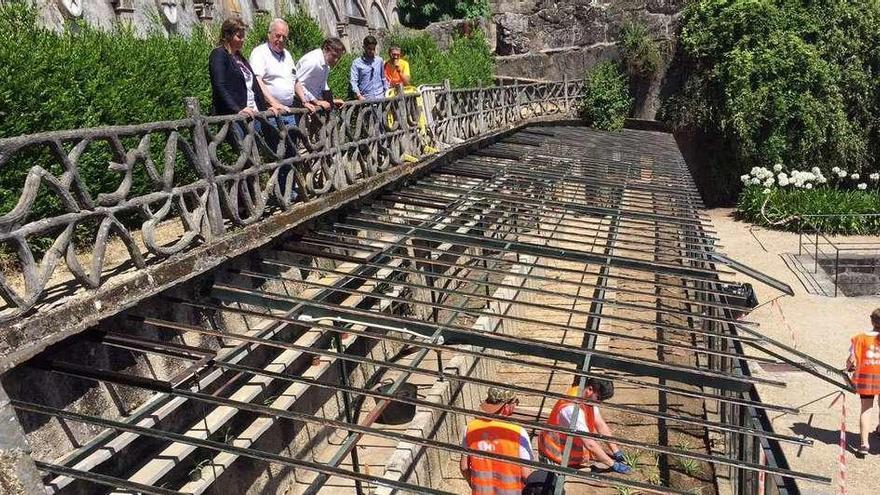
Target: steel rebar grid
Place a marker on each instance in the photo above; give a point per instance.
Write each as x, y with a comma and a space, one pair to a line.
349, 445
418, 343
474, 267
486, 339
478, 312
356, 243
497, 220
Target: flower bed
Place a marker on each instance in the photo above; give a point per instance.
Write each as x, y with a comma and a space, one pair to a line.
786, 200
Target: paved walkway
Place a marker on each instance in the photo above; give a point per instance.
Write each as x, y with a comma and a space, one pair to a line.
820, 326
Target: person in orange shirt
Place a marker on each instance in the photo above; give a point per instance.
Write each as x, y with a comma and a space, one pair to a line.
864, 364
396, 68
491, 476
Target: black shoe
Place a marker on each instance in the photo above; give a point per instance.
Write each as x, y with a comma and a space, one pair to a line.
862, 452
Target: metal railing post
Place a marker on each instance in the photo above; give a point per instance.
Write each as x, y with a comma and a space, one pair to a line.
566, 103
205, 169
447, 110
482, 111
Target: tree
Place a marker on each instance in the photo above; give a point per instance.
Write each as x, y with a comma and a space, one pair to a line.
418, 14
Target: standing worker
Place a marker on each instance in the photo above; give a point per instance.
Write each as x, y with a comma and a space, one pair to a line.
396, 68
583, 450
491, 476
864, 363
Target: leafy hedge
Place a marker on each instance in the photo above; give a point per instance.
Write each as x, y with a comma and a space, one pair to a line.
418, 13
785, 209
606, 101
786, 198
783, 81
467, 63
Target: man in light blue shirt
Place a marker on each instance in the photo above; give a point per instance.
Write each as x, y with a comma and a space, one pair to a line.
367, 77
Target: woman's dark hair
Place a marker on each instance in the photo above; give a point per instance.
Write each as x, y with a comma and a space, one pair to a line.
229, 28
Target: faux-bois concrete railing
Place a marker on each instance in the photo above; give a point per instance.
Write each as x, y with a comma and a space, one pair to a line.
190, 183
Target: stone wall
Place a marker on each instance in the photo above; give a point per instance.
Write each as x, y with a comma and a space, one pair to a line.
543, 39
348, 19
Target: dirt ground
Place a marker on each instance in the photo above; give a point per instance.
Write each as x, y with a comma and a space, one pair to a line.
820, 326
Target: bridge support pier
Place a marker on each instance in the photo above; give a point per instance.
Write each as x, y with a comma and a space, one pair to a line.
18, 473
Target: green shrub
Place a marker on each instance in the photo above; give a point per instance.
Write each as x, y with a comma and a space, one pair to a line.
641, 53
467, 63
785, 199
338, 80
418, 14
784, 209
784, 81
606, 101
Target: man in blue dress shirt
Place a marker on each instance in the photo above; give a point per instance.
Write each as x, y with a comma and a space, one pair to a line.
367, 78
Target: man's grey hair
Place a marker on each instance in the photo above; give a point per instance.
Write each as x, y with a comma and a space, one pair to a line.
277, 22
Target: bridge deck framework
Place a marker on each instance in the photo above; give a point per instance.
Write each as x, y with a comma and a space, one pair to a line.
554, 255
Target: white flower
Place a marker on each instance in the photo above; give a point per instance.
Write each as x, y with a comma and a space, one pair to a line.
766, 190
854, 176
874, 176
816, 171
836, 170
783, 180
777, 167
746, 179
808, 186
822, 180
769, 182
862, 186
755, 170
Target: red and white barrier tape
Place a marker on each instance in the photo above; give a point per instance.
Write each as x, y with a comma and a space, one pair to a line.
785, 322
762, 460
841, 459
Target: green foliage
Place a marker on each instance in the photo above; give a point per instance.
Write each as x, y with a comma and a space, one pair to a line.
467, 63
784, 81
606, 101
305, 33
641, 53
784, 209
338, 79
418, 14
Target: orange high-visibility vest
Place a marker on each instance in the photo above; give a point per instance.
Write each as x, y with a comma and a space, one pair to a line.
866, 378
491, 476
552, 444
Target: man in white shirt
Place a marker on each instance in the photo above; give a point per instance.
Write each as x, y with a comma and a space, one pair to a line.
312, 72
273, 64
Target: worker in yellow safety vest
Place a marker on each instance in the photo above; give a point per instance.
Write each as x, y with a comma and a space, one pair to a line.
492, 476
580, 417
864, 364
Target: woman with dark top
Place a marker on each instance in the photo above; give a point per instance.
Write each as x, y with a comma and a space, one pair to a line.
234, 89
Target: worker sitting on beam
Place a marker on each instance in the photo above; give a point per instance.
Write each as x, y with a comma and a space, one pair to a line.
586, 418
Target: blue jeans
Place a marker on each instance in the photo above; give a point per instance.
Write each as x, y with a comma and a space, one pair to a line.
289, 150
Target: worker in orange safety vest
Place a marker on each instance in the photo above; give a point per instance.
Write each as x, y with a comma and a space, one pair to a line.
491, 476
582, 417
864, 364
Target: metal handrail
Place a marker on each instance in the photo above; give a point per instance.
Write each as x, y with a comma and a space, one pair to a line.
805, 244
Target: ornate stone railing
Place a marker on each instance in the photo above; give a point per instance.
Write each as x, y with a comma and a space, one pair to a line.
165, 187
